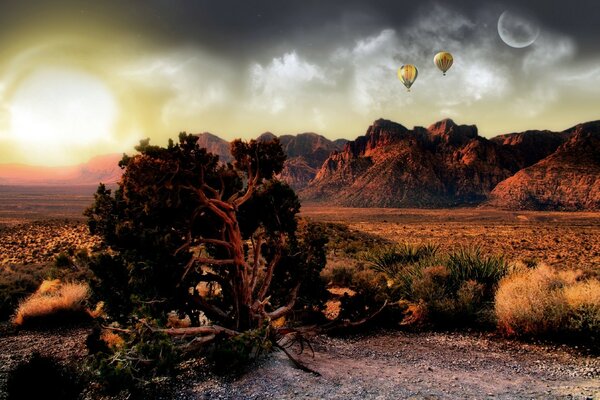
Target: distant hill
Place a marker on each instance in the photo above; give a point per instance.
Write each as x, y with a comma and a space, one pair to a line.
444, 165
99, 169
306, 152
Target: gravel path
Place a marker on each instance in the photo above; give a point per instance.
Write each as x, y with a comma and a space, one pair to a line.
418, 366
387, 365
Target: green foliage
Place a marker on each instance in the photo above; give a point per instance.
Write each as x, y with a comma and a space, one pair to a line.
390, 260
111, 284
304, 259
455, 289
62, 260
370, 294
470, 263
232, 355
140, 362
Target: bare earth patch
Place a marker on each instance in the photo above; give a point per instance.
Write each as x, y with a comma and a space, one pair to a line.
397, 365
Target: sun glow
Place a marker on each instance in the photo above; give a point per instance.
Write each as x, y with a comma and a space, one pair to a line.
57, 111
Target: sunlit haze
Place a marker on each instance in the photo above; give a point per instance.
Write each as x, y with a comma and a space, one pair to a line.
79, 79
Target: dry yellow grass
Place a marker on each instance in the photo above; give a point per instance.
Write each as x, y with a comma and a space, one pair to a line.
51, 299
543, 301
561, 239
112, 340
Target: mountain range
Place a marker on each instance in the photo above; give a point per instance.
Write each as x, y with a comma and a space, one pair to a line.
443, 165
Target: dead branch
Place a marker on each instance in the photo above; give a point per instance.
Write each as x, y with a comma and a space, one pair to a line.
196, 331
339, 325
283, 310
217, 242
111, 328
203, 260
296, 362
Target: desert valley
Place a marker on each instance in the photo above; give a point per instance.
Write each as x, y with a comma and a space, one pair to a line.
512, 195
342, 199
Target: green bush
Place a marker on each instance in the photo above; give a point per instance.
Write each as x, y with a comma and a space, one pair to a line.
232, 355
451, 290
17, 283
137, 364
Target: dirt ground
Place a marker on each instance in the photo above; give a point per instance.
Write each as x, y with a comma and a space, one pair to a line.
397, 365
561, 239
384, 365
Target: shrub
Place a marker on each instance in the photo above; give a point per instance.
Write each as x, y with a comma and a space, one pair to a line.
133, 360
42, 378
232, 355
470, 263
451, 289
390, 260
54, 302
544, 301
16, 284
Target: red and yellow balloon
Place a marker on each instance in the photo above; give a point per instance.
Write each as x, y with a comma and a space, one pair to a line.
408, 74
443, 60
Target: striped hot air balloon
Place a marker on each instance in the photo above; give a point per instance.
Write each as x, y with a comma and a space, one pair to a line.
443, 60
407, 75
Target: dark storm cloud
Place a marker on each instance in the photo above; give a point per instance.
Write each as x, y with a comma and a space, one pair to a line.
248, 28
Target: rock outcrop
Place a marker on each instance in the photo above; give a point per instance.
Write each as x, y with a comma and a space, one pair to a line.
567, 179
391, 166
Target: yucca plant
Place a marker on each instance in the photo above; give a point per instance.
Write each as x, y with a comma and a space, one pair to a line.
392, 260
471, 264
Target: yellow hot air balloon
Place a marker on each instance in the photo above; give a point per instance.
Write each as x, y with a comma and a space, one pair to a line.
443, 60
407, 75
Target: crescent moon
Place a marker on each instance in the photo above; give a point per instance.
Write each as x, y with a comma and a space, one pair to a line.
517, 31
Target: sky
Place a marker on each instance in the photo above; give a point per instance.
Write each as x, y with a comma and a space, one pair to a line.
85, 78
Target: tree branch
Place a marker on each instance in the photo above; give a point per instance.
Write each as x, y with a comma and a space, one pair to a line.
269, 274
210, 309
283, 310
203, 260
197, 330
217, 242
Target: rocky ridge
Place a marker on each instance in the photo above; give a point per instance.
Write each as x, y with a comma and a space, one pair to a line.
568, 179
448, 165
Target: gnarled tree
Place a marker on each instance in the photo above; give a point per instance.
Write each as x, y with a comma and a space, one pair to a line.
192, 234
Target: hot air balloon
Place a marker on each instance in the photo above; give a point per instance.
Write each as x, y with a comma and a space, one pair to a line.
407, 75
443, 60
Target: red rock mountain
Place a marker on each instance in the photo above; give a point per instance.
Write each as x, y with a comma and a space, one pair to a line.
391, 166
305, 152
567, 179
215, 145
444, 165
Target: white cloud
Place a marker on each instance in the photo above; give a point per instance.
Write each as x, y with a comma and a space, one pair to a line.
193, 82
280, 83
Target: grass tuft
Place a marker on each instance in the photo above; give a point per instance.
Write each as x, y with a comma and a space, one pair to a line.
544, 301
54, 302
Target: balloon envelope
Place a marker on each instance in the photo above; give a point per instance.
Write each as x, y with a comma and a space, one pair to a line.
443, 60
407, 75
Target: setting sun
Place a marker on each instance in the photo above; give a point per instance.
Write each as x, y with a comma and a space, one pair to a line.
54, 110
